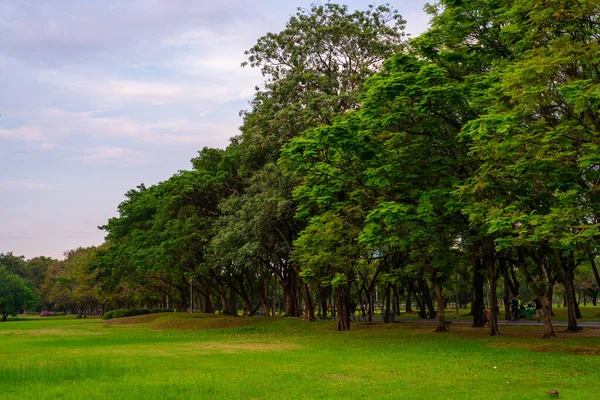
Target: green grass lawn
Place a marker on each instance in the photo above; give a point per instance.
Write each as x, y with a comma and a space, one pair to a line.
177, 356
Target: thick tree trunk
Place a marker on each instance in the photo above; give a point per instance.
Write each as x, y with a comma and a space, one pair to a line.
570, 299
441, 319
207, 304
233, 302
548, 327
4, 316
491, 267
477, 297
248, 306
290, 297
342, 303
224, 302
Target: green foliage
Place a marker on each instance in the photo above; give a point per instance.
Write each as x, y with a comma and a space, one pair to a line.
15, 293
109, 315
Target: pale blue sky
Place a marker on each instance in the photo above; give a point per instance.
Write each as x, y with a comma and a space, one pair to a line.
97, 97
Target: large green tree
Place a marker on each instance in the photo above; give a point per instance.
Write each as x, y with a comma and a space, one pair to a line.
16, 294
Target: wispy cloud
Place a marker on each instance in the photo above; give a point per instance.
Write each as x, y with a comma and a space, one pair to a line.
15, 186
112, 155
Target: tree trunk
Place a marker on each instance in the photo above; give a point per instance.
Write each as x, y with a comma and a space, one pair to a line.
575, 302
548, 328
223, 297
342, 303
549, 294
396, 300
507, 315
387, 302
409, 294
477, 297
324, 309
265, 298
491, 267
570, 299
208, 304
309, 310
371, 305
441, 318
290, 297
4, 316
427, 298
594, 267
233, 302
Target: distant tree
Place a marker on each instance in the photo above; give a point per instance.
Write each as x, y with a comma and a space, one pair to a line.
15, 293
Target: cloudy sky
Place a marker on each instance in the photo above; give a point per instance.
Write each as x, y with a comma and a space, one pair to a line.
97, 97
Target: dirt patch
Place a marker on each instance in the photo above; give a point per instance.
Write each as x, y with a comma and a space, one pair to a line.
140, 319
208, 322
57, 332
238, 347
200, 348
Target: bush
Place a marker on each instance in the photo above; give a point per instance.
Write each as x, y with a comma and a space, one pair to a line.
120, 313
108, 315
159, 310
132, 312
47, 314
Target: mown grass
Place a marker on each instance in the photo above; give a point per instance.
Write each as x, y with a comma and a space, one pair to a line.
173, 356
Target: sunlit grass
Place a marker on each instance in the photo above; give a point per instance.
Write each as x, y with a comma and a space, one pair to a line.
176, 356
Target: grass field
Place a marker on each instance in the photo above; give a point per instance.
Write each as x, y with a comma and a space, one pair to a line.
178, 356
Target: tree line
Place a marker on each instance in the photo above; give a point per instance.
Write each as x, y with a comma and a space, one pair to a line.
369, 159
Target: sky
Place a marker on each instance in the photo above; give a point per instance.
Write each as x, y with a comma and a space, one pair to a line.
97, 97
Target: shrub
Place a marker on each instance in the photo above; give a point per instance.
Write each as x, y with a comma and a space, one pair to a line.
159, 310
47, 314
131, 312
108, 315
120, 313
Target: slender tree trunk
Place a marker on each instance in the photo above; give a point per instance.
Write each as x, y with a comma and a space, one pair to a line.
309, 310
441, 318
371, 305
388, 303
265, 298
409, 294
506, 303
491, 267
342, 303
396, 300
324, 307
427, 298
549, 295
575, 302
594, 267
